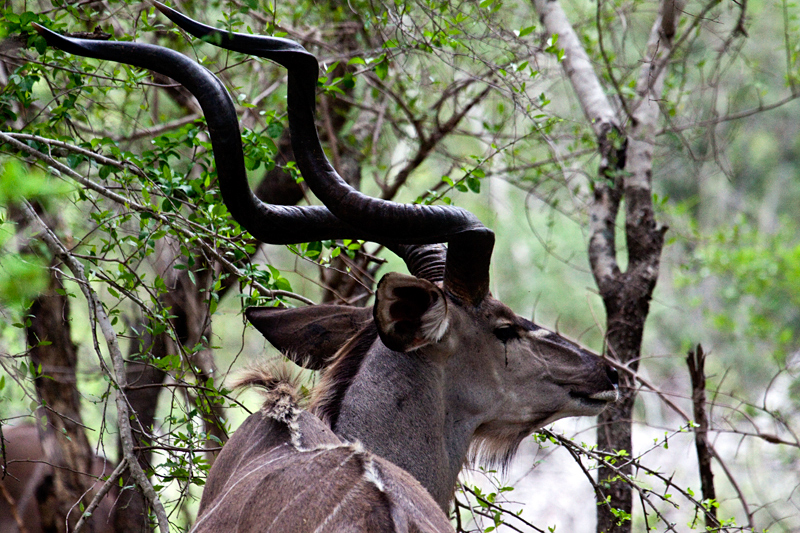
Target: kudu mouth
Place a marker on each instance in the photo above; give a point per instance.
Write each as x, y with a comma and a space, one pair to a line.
599, 400
597, 386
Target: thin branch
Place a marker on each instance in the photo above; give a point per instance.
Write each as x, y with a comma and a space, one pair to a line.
98, 316
733, 116
155, 131
427, 144
728, 474
78, 150
107, 486
607, 61
491, 505
132, 204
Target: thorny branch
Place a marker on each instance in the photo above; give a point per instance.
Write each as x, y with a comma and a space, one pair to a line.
637, 376
618, 464
494, 507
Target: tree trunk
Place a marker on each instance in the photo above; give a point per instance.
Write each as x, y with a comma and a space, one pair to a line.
625, 172
61, 431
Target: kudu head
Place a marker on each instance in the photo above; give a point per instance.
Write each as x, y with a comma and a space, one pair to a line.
439, 364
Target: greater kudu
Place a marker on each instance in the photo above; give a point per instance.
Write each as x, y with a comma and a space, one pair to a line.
439, 367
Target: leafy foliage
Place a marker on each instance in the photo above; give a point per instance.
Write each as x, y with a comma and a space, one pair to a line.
451, 102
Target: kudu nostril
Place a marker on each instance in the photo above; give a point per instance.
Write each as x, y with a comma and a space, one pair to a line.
612, 374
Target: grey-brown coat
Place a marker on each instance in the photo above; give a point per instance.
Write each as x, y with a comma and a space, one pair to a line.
285, 471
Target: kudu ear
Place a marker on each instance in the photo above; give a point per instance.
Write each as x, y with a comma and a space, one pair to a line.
309, 336
409, 312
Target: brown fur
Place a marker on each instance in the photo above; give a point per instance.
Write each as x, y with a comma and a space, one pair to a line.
284, 470
28, 483
337, 379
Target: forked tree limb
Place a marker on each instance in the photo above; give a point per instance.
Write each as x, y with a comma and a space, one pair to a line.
625, 173
98, 316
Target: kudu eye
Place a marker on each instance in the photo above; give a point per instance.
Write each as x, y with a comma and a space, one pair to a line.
506, 333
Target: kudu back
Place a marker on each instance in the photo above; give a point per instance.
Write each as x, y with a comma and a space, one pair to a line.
438, 370
284, 470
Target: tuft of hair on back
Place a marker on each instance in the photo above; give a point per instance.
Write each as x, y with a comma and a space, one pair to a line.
280, 385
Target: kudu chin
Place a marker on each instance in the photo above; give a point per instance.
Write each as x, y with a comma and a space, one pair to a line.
438, 369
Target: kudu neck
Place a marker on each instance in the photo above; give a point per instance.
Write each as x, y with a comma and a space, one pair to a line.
397, 408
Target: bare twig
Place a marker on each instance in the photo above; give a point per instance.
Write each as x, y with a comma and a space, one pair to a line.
427, 144
107, 486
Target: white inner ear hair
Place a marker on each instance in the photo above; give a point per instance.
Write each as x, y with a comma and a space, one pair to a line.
435, 321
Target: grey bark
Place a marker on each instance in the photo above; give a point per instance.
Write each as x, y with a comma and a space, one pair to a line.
625, 172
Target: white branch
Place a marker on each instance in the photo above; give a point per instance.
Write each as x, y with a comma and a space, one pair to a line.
649, 89
603, 119
578, 68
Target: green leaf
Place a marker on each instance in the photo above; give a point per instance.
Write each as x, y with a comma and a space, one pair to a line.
382, 68
27, 183
526, 31
22, 277
274, 129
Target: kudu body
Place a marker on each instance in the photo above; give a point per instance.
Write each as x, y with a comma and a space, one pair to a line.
438, 369
27, 482
284, 470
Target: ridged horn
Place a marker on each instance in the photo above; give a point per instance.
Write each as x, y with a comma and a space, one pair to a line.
347, 212
470, 243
